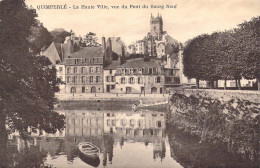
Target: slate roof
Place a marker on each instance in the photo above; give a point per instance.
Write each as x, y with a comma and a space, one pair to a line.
86, 52
140, 63
53, 53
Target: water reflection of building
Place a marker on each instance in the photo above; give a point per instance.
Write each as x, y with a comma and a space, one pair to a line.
159, 150
135, 125
108, 149
81, 123
105, 130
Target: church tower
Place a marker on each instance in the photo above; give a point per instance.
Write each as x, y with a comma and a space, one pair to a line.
156, 25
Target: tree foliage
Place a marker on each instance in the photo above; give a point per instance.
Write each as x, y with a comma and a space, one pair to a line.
28, 81
225, 55
59, 35
40, 37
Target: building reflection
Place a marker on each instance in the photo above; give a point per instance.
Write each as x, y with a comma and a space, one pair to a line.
105, 130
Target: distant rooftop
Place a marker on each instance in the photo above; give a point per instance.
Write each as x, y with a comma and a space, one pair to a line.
140, 63
86, 52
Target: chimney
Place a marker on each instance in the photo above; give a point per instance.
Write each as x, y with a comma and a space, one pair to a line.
109, 49
104, 46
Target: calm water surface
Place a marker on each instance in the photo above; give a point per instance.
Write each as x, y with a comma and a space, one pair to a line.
126, 139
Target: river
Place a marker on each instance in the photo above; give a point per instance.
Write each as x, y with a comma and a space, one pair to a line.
125, 138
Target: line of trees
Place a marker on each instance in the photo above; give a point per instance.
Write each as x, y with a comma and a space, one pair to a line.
27, 81
227, 55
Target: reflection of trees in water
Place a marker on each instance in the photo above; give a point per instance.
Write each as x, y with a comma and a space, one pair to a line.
52, 146
70, 149
29, 157
108, 149
187, 150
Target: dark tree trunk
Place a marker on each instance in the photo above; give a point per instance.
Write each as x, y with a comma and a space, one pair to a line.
258, 83
216, 84
3, 141
197, 83
225, 84
239, 84
211, 84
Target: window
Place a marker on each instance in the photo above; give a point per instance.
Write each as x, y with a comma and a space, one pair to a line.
97, 69
83, 70
60, 69
97, 79
140, 80
123, 71
68, 70
131, 80
68, 79
123, 80
171, 72
131, 71
113, 79
108, 78
91, 79
74, 79
91, 70
135, 71
110, 71
123, 122
150, 71
75, 69
158, 80
127, 71
83, 79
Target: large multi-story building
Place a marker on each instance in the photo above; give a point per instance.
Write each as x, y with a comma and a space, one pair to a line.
84, 71
140, 76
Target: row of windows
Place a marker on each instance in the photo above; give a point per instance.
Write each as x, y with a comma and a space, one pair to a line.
84, 60
139, 71
83, 70
140, 80
132, 122
110, 79
74, 79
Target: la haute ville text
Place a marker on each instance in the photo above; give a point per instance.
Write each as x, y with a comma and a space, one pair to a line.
42, 7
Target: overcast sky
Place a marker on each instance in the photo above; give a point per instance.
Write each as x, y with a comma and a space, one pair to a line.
189, 19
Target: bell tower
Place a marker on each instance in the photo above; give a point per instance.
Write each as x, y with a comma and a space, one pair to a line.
156, 25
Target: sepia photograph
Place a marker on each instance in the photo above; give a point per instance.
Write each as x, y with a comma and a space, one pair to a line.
129, 84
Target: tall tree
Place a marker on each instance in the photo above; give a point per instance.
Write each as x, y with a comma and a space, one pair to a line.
59, 35
27, 82
40, 38
248, 37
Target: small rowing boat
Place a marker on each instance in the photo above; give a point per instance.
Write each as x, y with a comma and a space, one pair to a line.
88, 148
89, 153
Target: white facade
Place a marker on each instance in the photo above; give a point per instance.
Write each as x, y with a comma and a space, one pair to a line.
61, 74
109, 80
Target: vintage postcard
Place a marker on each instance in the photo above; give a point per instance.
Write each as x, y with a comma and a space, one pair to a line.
129, 84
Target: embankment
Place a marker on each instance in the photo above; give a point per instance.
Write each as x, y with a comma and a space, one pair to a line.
229, 117
109, 102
